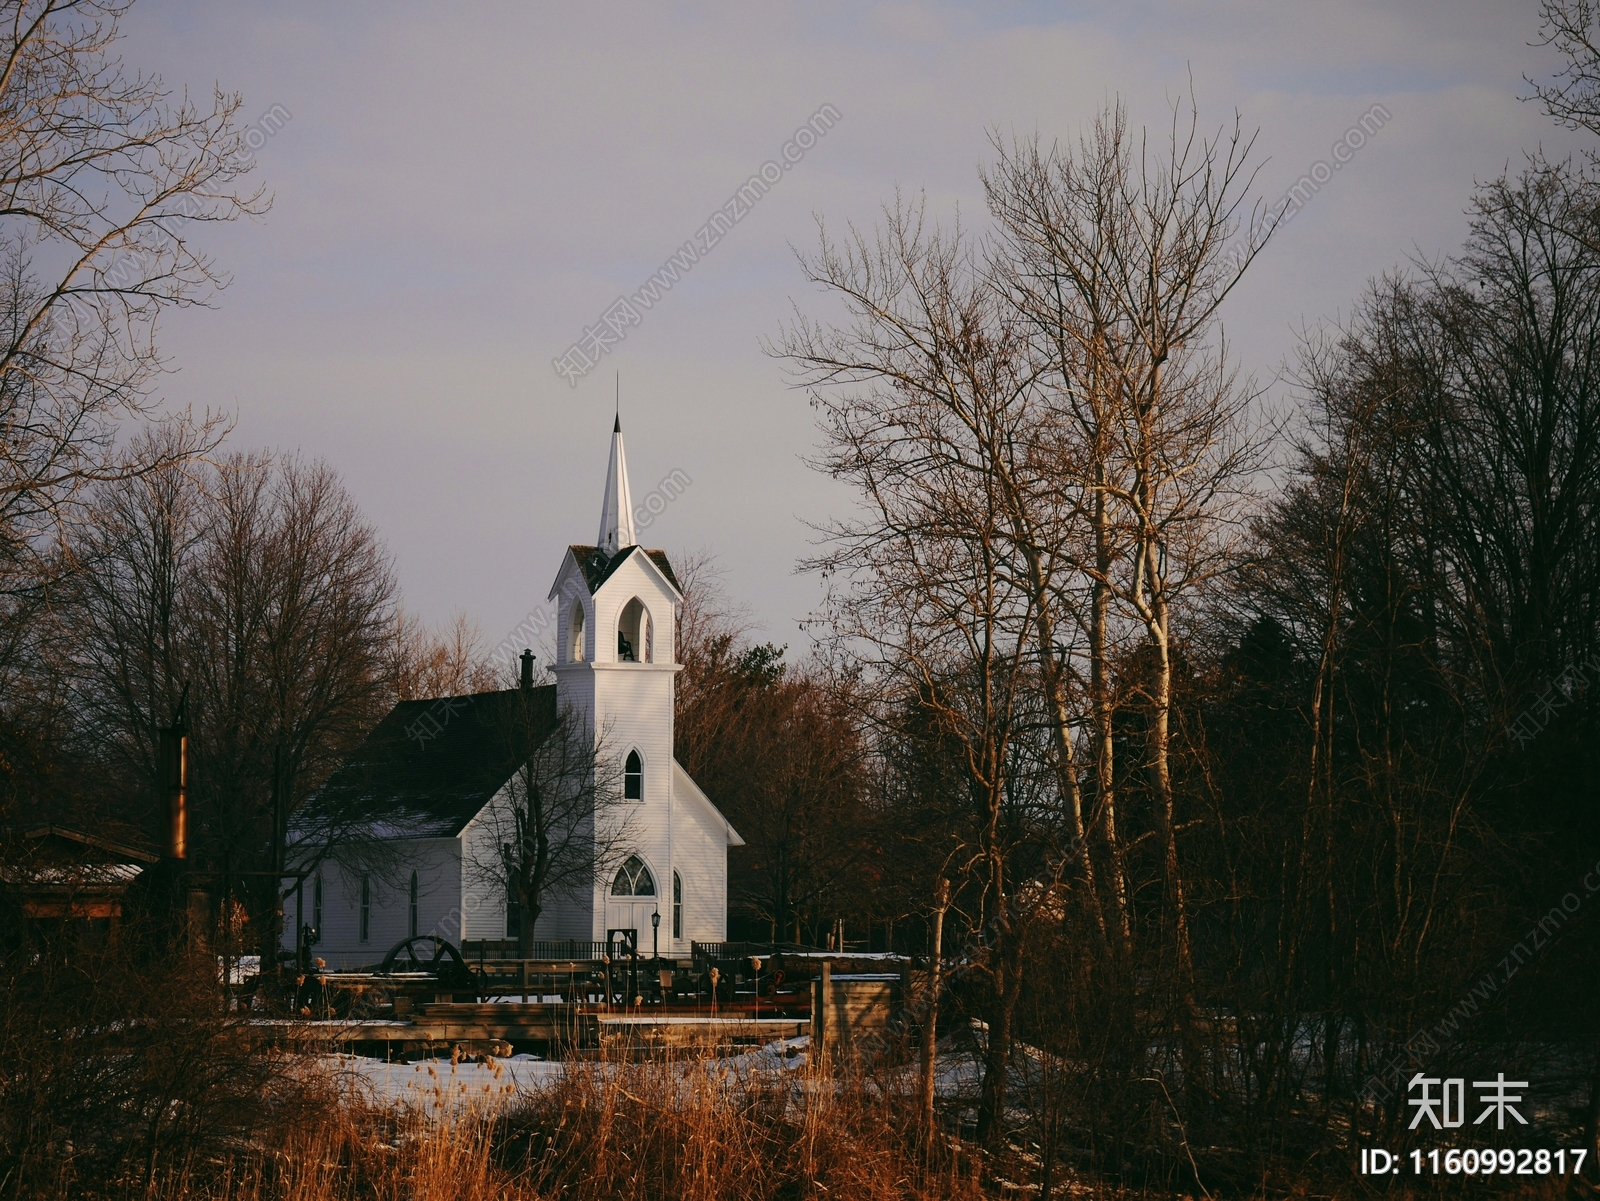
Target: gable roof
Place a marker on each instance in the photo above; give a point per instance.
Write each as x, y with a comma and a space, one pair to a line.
430, 766
598, 567
684, 788
65, 844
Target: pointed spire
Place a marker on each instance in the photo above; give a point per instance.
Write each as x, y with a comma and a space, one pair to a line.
616, 509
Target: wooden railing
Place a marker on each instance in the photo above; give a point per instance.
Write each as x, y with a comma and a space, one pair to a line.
745, 950
563, 949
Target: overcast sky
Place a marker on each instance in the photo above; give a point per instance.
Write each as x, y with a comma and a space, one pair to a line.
461, 189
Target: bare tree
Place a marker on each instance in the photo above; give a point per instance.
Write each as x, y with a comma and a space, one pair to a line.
925, 399
447, 662
1573, 97
561, 825
259, 584
102, 176
778, 746
1120, 265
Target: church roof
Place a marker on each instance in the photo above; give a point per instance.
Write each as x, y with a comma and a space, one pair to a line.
598, 567
429, 767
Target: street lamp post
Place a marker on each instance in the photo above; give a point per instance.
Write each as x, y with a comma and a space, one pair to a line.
655, 945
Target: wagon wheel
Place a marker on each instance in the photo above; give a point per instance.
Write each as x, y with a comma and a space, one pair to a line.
425, 953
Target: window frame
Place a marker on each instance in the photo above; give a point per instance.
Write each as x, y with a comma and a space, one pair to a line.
365, 931
513, 907
643, 873
634, 626
677, 904
577, 620
412, 923
629, 777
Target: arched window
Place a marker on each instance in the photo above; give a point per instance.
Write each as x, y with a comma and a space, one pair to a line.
508, 858
575, 633
677, 905
633, 880
316, 902
633, 633
633, 778
366, 907
411, 924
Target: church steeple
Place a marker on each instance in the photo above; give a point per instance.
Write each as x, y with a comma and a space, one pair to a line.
616, 509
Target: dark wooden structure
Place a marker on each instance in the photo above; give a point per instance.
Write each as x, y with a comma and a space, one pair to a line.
851, 1007
60, 876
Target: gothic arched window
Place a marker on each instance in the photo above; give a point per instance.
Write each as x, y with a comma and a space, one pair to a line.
316, 902
633, 778
633, 880
633, 633
677, 905
412, 923
575, 633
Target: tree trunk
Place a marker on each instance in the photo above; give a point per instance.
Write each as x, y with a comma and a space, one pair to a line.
528, 902
1160, 739
1066, 763
272, 929
1100, 687
930, 1020
1161, 765
1006, 976
1591, 1123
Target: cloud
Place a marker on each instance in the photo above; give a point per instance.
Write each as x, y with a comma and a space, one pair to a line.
463, 187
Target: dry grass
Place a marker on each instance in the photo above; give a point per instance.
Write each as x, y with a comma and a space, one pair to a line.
691, 1131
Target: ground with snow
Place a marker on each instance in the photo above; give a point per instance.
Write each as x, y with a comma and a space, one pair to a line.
438, 1085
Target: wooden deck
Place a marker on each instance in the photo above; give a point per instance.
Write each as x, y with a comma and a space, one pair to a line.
571, 1026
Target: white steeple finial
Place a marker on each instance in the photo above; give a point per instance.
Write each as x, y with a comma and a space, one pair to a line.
616, 510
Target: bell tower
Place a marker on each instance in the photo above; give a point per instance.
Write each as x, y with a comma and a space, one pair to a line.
616, 666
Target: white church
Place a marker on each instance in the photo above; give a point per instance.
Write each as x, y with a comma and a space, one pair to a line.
434, 779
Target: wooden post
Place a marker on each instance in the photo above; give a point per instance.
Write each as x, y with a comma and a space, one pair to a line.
930, 1019
524, 981
819, 1011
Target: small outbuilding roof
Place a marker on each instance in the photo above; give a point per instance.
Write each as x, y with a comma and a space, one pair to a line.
65, 844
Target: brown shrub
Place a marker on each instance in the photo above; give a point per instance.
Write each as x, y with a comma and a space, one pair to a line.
686, 1131
117, 1069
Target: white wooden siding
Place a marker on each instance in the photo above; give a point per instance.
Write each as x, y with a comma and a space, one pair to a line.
700, 837
437, 862
564, 916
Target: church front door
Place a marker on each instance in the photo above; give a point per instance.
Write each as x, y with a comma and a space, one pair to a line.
632, 900
631, 915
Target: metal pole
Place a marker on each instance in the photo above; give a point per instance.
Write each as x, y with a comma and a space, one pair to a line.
227, 934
